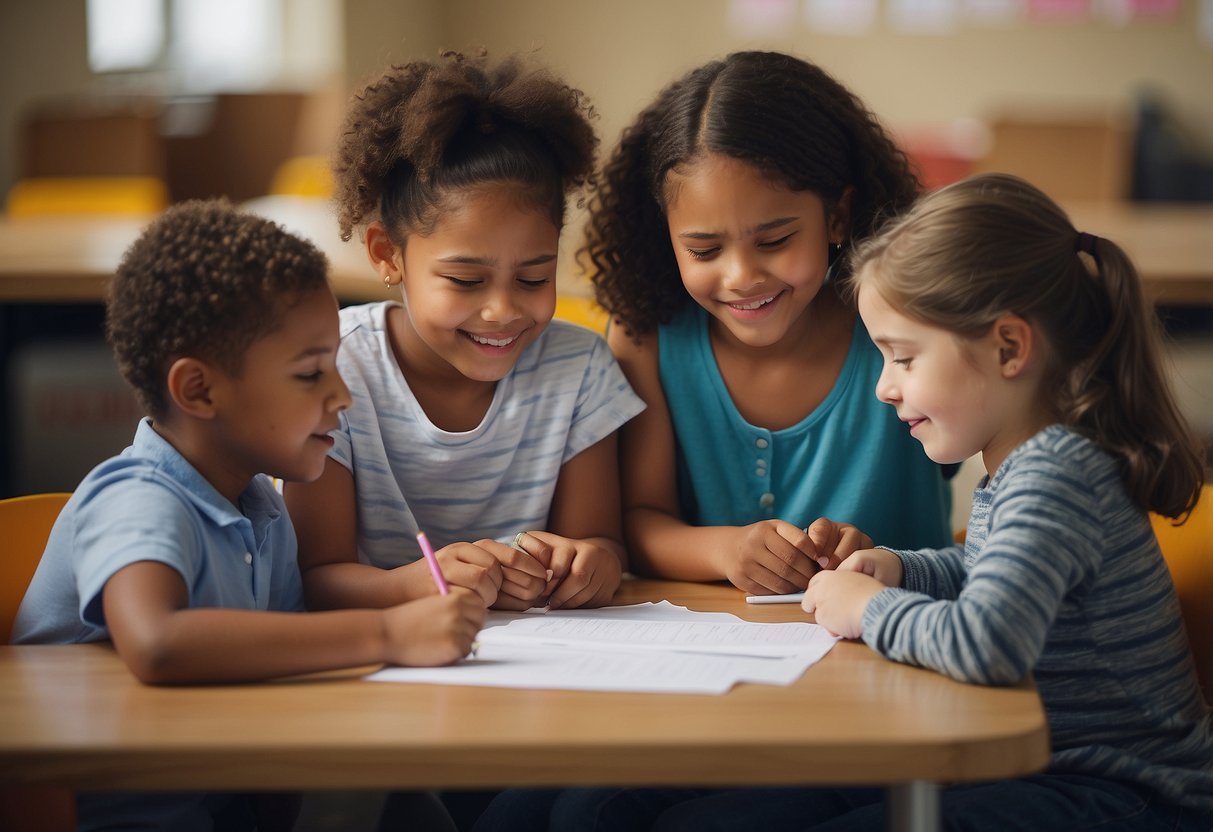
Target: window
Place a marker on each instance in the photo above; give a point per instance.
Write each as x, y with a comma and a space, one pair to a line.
205, 46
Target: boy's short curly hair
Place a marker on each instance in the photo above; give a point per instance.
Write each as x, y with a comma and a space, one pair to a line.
203, 280
428, 128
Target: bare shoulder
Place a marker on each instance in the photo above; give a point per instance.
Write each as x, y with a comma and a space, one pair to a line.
632, 349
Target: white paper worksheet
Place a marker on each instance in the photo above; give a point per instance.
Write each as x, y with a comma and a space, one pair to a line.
652, 648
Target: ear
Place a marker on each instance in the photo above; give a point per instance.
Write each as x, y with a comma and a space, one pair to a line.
1015, 340
189, 387
839, 220
386, 257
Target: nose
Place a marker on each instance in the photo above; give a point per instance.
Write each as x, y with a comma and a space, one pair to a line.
740, 274
339, 399
500, 307
886, 389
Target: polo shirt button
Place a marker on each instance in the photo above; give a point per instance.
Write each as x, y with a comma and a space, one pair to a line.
760, 442
767, 500
248, 558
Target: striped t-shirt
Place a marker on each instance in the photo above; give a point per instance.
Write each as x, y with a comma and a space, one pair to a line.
565, 393
1061, 575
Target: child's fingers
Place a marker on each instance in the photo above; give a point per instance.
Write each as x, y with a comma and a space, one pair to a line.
771, 577
561, 565
535, 546
579, 588
794, 547
519, 559
785, 554
522, 585
834, 542
510, 603
573, 593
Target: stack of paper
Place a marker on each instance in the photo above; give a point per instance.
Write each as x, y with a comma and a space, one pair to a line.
653, 648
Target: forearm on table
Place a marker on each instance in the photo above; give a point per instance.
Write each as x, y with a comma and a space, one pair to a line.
348, 584
663, 546
221, 645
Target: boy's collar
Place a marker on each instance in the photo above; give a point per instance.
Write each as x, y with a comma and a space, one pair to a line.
151, 445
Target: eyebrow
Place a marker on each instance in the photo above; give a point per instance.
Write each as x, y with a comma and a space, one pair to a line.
467, 260
886, 341
308, 352
769, 225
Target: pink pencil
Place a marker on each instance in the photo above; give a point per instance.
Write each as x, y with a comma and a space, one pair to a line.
432, 560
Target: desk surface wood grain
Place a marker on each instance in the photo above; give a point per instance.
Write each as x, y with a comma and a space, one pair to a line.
74, 715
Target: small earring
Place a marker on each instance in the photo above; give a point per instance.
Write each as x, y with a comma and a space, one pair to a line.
387, 280
833, 258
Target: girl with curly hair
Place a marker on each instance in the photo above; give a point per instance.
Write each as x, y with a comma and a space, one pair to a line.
716, 242
476, 418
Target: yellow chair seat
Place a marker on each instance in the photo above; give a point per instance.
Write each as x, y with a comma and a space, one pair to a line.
48, 196
1188, 550
27, 524
308, 176
583, 311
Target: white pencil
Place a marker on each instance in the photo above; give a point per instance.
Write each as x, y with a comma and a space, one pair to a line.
793, 598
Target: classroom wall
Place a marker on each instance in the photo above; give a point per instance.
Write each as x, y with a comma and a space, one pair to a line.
621, 52
43, 52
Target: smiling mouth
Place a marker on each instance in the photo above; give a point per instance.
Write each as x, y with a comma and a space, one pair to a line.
752, 305
491, 342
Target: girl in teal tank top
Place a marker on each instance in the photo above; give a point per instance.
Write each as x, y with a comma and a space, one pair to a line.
821, 466
718, 243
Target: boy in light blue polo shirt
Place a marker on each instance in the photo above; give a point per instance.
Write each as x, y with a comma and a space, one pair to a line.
225, 326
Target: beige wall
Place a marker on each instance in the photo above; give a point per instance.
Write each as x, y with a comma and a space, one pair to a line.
621, 52
43, 52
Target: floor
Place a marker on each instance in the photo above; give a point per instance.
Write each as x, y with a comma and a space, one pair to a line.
340, 812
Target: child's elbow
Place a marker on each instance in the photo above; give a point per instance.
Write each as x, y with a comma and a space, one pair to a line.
152, 662
989, 667
151, 668
1004, 676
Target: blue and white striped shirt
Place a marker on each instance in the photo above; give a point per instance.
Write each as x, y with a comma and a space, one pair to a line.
1061, 575
565, 394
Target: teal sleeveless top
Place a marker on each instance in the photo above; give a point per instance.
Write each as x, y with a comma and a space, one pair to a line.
851, 459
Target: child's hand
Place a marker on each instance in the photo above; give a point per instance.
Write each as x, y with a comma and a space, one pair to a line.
584, 573
525, 571
881, 564
834, 542
472, 565
837, 599
769, 557
435, 630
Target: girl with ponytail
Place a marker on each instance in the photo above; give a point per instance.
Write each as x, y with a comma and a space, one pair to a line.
1009, 333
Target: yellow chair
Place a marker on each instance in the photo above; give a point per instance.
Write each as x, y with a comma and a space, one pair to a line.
27, 523
58, 195
583, 311
1188, 550
308, 176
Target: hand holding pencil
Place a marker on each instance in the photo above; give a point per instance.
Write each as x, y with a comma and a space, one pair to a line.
437, 629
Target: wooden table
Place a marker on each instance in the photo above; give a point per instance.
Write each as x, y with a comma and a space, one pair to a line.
69, 259
74, 715
1171, 244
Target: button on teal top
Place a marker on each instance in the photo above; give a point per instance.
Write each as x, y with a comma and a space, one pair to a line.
851, 459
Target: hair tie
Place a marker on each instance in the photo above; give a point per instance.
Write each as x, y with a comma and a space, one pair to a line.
1086, 242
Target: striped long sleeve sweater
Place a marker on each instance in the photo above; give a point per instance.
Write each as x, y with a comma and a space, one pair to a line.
1061, 575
